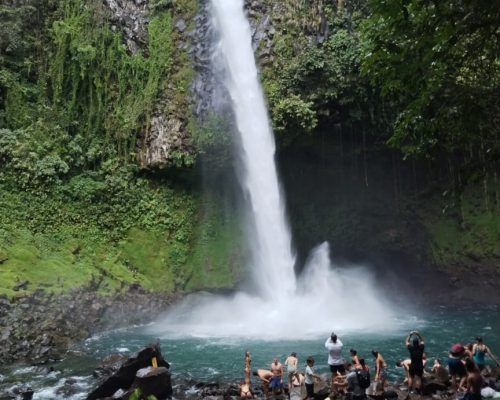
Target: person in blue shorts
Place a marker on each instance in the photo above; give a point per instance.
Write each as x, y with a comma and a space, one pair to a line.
276, 382
456, 366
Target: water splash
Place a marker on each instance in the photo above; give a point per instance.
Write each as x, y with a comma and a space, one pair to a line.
323, 298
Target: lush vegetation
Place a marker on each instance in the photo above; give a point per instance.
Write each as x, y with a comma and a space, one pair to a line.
414, 83
74, 207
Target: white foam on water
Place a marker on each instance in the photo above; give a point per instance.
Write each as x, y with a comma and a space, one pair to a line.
324, 297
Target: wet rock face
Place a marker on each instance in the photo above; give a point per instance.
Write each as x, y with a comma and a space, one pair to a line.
166, 137
208, 93
39, 327
131, 18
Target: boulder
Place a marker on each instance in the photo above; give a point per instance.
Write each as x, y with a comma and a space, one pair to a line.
430, 387
124, 376
21, 393
390, 393
154, 381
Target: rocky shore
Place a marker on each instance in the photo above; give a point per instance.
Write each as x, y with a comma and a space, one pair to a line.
41, 327
147, 373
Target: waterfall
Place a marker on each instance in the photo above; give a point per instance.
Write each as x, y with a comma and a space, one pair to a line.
323, 298
269, 240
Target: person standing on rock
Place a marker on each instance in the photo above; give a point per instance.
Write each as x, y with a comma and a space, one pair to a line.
334, 346
456, 366
380, 368
416, 369
474, 381
479, 351
248, 362
310, 376
276, 382
291, 364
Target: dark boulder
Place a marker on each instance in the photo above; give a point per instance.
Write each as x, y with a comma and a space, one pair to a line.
154, 381
125, 371
21, 393
430, 387
390, 393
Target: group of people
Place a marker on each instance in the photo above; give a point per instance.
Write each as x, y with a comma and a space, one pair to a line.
465, 364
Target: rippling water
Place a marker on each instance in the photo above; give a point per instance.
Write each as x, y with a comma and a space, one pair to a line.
221, 359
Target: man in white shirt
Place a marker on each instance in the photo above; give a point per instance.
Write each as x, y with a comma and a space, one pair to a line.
335, 359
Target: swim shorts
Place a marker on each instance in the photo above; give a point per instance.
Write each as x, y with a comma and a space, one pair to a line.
456, 367
275, 382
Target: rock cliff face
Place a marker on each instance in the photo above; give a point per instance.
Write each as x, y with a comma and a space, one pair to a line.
42, 328
131, 18
165, 140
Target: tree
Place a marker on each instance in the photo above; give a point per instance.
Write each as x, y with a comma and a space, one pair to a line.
439, 61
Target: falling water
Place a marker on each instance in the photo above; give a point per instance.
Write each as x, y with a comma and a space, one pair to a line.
272, 258
323, 298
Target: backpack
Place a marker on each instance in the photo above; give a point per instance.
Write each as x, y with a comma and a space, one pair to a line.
363, 378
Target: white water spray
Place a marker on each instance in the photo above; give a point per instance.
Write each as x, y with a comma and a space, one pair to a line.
323, 299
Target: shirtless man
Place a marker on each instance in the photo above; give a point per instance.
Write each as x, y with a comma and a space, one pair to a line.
265, 376
380, 368
276, 382
405, 364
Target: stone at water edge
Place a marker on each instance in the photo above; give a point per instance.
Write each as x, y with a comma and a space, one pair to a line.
154, 381
430, 387
124, 377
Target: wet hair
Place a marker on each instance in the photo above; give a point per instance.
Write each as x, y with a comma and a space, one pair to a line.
470, 365
375, 353
416, 342
353, 352
310, 360
362, 362
334, 337
399, 364
479, 339
293, 354
255, 373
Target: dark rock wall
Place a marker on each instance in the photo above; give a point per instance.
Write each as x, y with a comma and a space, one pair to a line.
42, 327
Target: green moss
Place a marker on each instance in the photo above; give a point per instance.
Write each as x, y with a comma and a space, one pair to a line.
465, 235
216, 258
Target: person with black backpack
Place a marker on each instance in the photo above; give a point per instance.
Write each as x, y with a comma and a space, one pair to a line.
358, 380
